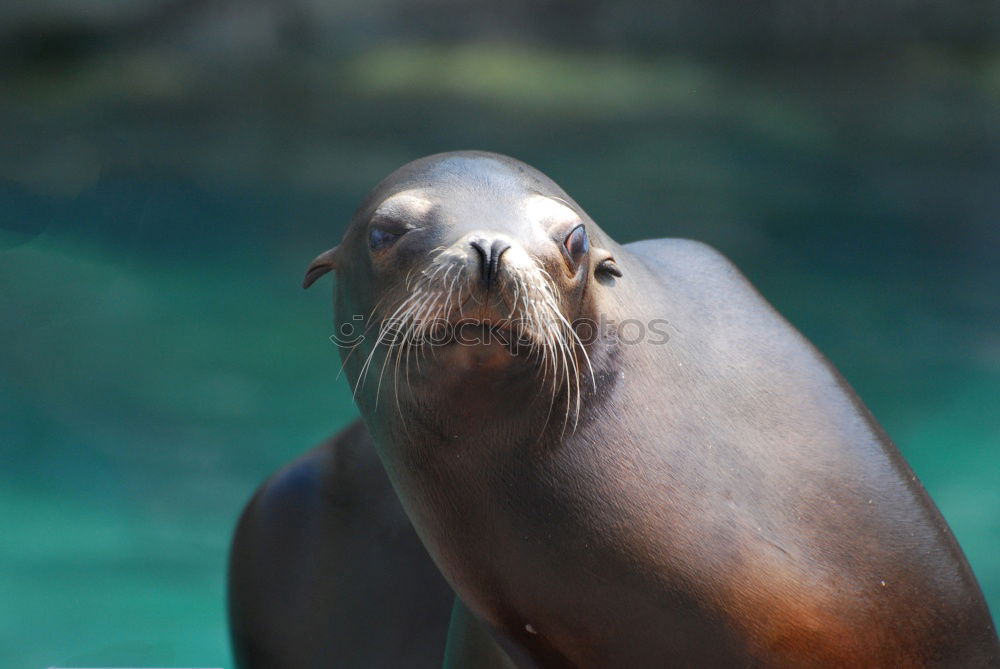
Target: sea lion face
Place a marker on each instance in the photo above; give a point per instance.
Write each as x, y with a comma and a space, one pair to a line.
467, 271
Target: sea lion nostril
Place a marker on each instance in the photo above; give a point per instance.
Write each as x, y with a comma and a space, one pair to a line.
484, 260
498, 248
489, 259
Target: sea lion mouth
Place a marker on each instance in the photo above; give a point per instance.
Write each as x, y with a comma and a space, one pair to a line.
506, 332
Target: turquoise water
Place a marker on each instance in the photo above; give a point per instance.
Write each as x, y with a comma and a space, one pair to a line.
159, 358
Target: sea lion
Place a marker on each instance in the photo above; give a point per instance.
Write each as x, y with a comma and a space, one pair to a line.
615, 455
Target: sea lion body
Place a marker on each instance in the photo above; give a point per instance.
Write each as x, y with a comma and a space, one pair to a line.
707, 492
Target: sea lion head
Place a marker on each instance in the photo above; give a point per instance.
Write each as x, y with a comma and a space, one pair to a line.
466, 275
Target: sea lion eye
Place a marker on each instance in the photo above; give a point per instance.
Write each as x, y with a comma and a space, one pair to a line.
380, 238
576, 243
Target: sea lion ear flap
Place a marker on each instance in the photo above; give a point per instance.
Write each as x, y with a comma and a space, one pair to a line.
324, 262
608, 266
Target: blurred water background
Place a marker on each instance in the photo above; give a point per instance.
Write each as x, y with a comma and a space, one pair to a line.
169, 167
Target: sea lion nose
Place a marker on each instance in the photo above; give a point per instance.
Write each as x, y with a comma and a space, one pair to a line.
489, 257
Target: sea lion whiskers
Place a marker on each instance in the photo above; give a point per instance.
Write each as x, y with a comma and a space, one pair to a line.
395, 351
368, 323
386, 327
417, 306
568, 343
397, 328
383, 332
551, 338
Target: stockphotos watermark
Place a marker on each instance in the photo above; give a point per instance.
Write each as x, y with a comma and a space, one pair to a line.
472, 332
